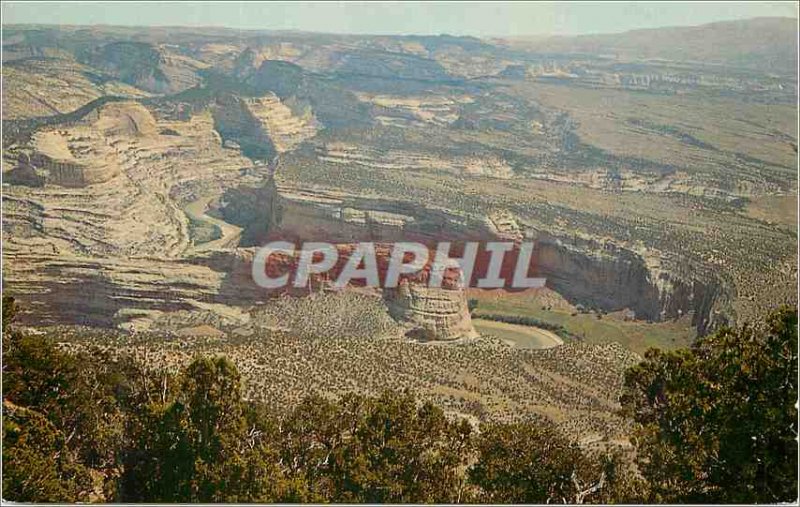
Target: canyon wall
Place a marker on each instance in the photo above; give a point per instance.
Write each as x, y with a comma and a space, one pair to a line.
234, 120
68, 174
263, 126
612, 278
586, 272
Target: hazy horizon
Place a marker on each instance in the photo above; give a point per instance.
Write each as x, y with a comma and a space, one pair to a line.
498, 19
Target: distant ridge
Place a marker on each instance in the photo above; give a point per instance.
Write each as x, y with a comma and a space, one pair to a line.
768, 44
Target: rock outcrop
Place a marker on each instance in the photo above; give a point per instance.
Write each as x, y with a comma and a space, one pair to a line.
415, 111
395, 159
284, 127
87, 152
430, 313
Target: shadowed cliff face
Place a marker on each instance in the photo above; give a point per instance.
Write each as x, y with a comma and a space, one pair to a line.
234, 121
612, 279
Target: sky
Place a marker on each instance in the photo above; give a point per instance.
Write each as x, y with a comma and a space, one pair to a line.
483, 19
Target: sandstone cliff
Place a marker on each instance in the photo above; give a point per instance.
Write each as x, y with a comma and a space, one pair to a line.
612, 278
429, 313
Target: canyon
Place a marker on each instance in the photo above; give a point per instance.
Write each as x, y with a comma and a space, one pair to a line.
139, 200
